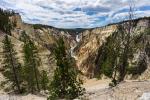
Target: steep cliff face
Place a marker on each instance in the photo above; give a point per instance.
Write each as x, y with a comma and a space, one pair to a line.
87, 51
43, 36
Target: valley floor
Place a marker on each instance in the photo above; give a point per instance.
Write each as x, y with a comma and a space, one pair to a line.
99, 90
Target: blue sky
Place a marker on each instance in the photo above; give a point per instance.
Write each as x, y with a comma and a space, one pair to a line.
75, 13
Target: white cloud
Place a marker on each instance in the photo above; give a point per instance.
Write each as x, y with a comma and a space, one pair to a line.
60, 13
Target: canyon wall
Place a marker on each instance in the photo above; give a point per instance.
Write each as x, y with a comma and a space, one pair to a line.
83, 45
87, 50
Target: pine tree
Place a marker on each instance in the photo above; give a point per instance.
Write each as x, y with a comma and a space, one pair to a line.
65, 83
119, 52
12, 68
128, 34
5, 24
32, 62
44, 80
110, 57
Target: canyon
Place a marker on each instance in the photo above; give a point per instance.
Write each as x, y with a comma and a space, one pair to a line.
84, 46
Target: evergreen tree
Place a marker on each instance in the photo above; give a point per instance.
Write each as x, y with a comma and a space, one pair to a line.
128, 34
118, 53
44, 80
65, 82
110, 57
32, 62
12, 68
5, 24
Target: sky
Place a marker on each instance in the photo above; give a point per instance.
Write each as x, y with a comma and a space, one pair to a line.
76, 13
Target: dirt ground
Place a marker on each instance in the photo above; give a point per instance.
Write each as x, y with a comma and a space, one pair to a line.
127, 90
100, 90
